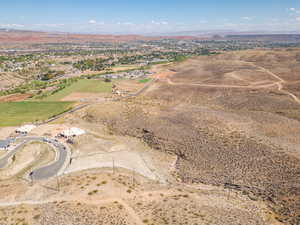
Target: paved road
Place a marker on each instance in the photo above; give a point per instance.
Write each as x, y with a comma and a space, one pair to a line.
45, 172
54, 168
4, 160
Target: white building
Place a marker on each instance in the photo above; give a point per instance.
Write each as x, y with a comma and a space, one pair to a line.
72, 132
25, 129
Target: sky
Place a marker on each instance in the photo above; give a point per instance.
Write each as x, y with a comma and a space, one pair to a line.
150, 17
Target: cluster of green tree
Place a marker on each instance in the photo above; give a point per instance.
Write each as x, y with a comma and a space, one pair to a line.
64, 83
93, 64
4, 58
66, 63
19, 58
179, 57
37, 87
125, 60
24, 88
50, 74
60, 85
103, 51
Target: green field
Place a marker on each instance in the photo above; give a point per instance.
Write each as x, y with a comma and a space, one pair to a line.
145, 80
85, 86
17, 113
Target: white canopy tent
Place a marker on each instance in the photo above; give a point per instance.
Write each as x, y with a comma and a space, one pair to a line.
72, 132
25, 129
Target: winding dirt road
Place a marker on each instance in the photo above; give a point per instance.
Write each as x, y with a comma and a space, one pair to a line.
222, 85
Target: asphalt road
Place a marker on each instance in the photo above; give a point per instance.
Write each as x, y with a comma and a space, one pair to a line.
54, 168
4, 160
44, 172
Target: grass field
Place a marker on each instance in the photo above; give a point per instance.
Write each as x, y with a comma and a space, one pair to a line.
85, 86
17, 113
145, 80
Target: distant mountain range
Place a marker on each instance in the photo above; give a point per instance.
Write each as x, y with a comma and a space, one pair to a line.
224, 33
25, 36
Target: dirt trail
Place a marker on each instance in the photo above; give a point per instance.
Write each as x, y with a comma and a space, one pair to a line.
279, 84
132, 213
280, 88
267, 71
223, 85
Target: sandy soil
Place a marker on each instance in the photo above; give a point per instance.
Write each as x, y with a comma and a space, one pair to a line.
97, 196
6, 131
123, 159
9, 79
162, 71
49, 130
129, 85
90, 151
125, 67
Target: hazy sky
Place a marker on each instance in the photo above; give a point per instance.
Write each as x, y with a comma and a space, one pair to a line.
154, 16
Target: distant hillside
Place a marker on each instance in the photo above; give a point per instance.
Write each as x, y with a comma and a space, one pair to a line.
240, 35
27, 37
265, 37
8, 36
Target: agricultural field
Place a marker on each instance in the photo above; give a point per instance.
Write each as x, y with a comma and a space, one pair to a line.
145, 80
17, 113
81, 86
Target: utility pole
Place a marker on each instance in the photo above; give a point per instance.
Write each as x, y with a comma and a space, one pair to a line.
228, 196
113, 165
30, 175
133, 179
57, 180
